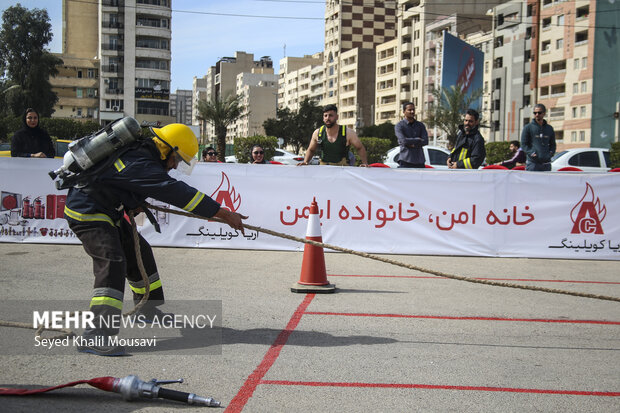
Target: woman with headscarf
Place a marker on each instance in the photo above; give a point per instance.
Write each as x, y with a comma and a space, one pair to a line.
31, 141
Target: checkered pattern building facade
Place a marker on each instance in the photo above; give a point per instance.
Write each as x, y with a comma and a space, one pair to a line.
365, 25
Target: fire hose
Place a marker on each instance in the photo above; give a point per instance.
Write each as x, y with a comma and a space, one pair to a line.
130, 387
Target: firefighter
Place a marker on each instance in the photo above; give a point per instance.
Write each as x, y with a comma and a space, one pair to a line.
95, 213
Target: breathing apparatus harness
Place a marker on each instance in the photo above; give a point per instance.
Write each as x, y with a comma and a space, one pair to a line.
87, 157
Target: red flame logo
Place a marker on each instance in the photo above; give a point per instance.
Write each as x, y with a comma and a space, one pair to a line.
588, 214
226, 195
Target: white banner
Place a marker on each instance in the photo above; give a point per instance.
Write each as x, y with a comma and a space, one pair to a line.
375, 210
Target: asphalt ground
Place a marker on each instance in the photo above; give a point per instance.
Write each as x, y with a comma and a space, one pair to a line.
388, 340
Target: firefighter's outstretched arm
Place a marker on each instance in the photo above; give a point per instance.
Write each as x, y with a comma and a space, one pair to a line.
231, 218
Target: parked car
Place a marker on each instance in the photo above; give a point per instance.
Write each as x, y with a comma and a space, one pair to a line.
286, 157
61, 148
586, 159
434, 156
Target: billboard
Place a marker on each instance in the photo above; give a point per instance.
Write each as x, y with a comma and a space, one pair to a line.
606, 79
463, 65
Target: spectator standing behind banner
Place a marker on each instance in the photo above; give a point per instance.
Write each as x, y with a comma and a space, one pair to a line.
469, 151
518, 156
31, 141
258, 154
538, 141
209, 154
334, 141
412, 137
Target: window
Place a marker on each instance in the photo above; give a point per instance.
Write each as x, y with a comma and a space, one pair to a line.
573, 136
544, 91
574, 112
78, 92
560, 21
587, 158
584, 62
582, 136
584, 87
558, 90
557, 112
544, 68
486, 67
497, 84
575, 88
581, 38
498, 63
582, 12
558, 66
546, 46
546, 23
499, 41
582, 111
526, 102
576, 64
91, 73
528, 33
526, 78
559, 43
79, 74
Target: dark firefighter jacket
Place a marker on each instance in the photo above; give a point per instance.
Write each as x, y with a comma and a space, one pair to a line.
469, 151
136, 175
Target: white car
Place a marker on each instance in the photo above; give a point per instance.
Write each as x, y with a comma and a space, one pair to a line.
434, 156
286, 157
282, 156
586, 159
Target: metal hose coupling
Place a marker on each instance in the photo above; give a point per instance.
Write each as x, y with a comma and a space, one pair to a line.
132, 388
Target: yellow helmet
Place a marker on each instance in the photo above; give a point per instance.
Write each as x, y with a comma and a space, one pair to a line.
180, 139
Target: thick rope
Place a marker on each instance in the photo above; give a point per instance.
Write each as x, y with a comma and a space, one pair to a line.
394, 262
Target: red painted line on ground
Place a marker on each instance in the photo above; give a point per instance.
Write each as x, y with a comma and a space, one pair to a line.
441, 317
477, 278
254, 379
439, 387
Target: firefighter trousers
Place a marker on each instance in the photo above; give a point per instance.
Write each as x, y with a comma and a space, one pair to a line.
113, 253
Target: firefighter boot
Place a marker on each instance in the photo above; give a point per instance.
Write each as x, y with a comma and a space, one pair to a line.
150, 312
101, 339
100, 342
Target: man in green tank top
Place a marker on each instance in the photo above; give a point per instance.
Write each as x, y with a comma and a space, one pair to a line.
334, 141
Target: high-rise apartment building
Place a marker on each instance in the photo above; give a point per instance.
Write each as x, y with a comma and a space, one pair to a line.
355, 24
221, 81
258, 96
181, 106
131, 41
298, 79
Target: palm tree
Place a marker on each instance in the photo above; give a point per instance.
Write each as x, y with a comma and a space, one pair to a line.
221, 113
448, 109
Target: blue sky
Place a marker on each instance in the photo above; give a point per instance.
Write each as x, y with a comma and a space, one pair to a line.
199, 39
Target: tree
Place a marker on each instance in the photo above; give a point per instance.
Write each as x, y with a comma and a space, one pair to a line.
448, 109
221, 113
24, 63
384, 130
295, 128
308, 118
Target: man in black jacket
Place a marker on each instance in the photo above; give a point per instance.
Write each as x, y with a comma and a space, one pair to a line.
96, 215
469, 151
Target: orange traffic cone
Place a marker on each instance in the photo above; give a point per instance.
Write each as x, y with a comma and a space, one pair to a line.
313, 278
